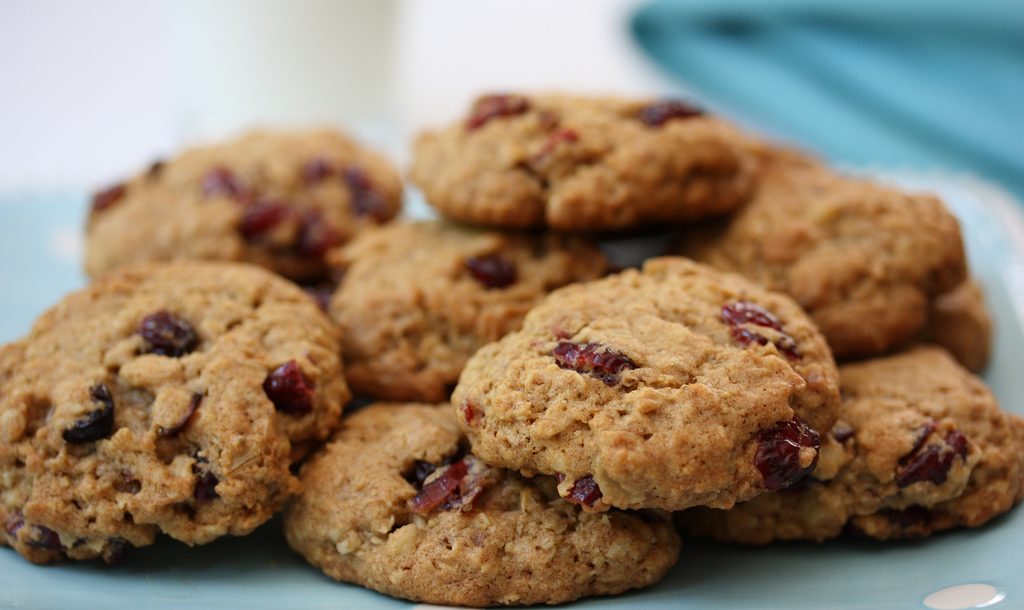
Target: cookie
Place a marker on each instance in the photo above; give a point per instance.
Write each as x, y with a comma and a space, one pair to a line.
276, 199
670, 387
417, 299
575, 163
862, 259
921, 446
395, 504
960, 322
162, 398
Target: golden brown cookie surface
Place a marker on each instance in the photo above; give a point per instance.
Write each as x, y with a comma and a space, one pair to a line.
162, 398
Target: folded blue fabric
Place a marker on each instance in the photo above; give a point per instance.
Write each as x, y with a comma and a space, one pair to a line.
910, 83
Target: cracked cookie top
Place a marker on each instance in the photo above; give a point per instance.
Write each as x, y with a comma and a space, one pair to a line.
921, 445
669, 387
276, 199
577, 163
162, 398
417, 299
396, 504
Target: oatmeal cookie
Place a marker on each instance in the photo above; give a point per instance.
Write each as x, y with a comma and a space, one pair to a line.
162, 398
276, 199
417, 299
670, 387
921, 445
395, 504
862, 259
575, 163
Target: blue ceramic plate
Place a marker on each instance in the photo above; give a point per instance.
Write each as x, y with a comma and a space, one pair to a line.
39, 244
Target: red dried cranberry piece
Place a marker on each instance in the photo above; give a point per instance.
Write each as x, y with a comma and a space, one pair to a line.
931, 462
289, 389
659, 113
44, 538
108, 197
177, 427
909, 517
744, 312
469, 413
957, 442
492, 270
419, 472
366, 199
593, 358
316, 235
116, 549
98, 423
584, 492
778, 453
437, 492
317, 170
261, 218
222, 182
557, 137
493, 106
842, 432
206, 486
14, 523
167, 335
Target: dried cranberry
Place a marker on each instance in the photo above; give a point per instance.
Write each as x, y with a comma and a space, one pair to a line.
584, 491
435, 493
556, 138
116, 549
366, 199
167, 335
744, 312
263, 217
316, 235
957, 442
44, 538
222, 182
492, 270
289, 389
108, 197
931, 462
909, 517
469, 413
98, 423
174, 429
317, 170
206, 487
493, 106
419, 472
593, 358
778, 453
842, 432
14, 523
659, 113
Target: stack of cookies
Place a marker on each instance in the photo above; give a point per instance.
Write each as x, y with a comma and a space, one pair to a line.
537, 412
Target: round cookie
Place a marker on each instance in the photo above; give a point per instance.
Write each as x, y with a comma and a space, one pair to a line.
670, 387
847, 250
417, 299
921, 445
959, 321
395, 504
575, 163
276, 199
162, 398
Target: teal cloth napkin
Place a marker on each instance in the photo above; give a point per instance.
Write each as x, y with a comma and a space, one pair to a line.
926, 84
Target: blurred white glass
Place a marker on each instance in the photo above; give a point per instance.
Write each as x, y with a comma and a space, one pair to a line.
235, 64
